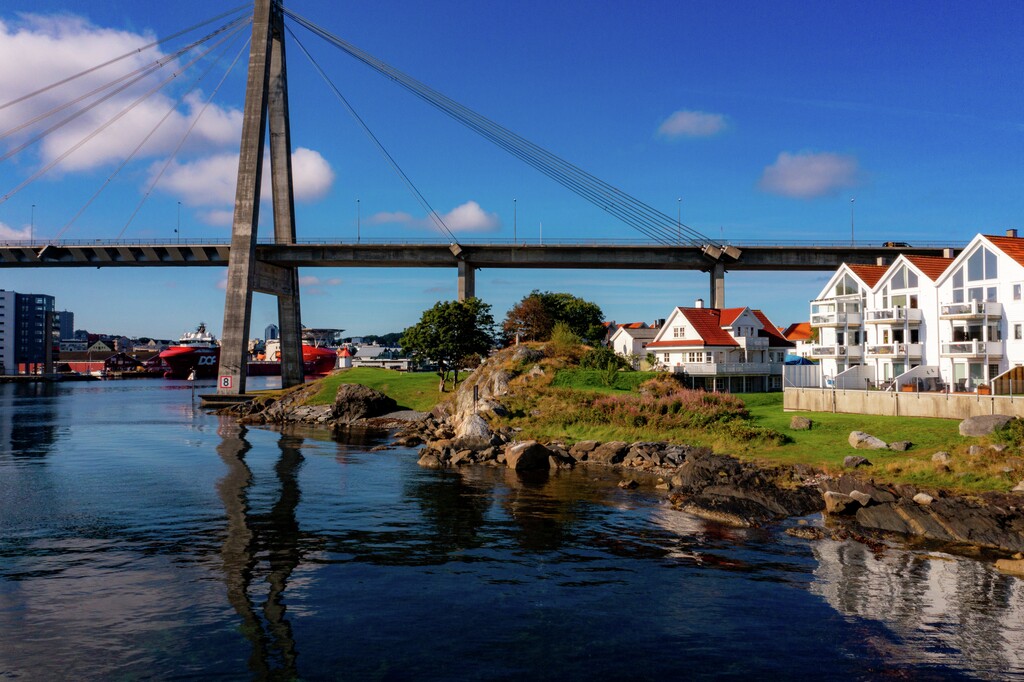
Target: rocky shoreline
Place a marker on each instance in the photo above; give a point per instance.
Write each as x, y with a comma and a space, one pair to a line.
695, 480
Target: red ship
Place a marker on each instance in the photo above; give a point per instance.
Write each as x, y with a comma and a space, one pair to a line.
199, 351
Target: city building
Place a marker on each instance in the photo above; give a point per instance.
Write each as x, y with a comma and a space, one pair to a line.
728, 349
64, 324
32, 330
7, 333
271, 333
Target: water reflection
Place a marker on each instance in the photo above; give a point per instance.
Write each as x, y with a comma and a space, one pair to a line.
34, 432
251, 535
949, 609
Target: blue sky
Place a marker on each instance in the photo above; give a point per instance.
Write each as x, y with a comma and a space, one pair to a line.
765, 118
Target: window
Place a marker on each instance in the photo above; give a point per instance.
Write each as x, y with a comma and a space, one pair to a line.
667, 357
1017, 332
678, 332
1016, 292
695, 356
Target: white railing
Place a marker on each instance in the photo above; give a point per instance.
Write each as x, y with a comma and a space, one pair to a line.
723, 368
971, 309
973, 348
752, 342
835, 319
896, 350
835, 351
890, 315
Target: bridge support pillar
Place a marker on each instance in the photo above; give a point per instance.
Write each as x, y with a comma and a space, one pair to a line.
718, 285
467, 280
266, 96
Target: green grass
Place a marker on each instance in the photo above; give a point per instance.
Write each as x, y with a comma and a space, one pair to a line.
411, 390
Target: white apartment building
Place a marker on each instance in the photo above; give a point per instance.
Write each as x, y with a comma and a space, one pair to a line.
727, 349
837, 317
962, 318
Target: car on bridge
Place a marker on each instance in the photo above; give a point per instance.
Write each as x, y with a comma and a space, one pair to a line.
897, 245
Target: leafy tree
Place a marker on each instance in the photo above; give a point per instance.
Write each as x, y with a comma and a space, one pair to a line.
535, 316
450, 333
603, 357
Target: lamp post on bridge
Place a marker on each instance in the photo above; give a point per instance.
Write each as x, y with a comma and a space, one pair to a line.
177, 230
852, 199
515, 216
359, 218
32, 226
679, 220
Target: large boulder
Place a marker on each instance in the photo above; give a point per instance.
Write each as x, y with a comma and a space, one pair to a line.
983, 425
353, 402
527, 456
473, 426
865, 441
609, 453
798, 423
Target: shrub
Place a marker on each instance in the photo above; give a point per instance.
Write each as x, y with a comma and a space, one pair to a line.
602, 357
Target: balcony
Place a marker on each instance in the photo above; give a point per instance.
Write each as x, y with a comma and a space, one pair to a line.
970, 310
973, 349
752, 342
835, 351
895, 350
833, 319
900, 316
728, 368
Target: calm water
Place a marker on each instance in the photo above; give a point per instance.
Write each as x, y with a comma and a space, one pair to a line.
141, 537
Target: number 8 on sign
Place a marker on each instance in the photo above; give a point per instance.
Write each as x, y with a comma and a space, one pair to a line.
225, 382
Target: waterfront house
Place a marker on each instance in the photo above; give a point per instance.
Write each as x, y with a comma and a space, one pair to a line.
630, 341
900, 317
728, 349
802, 336
837, 316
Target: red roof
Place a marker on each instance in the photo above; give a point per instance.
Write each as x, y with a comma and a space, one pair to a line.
634, 325
708, 324
869, 274
798, 331
1011, 246
931, 266
729, 315
775, 337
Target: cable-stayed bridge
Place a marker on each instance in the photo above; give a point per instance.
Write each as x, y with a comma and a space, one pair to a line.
271, 266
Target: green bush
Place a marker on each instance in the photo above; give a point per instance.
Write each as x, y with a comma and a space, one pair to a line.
601, 358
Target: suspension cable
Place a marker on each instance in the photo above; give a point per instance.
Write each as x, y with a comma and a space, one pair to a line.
434, 216
181, 142
139, 74
114, 119
192, 87
646, 219
130, 53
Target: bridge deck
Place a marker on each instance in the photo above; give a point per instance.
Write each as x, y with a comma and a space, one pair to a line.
554, 256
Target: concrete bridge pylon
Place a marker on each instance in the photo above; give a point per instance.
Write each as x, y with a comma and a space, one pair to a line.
266, 98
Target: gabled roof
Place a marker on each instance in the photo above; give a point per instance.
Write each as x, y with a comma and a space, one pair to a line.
798, 331
728, 315
636, 332
869, 274
775, 337
634, 325
1011, 246
931, 267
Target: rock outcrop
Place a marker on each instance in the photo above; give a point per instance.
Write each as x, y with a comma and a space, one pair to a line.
983, 425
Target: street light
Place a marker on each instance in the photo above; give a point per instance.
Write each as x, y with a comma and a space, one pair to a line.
852, 199
679, 220
515, 215
32, 226
177, 230
359, 217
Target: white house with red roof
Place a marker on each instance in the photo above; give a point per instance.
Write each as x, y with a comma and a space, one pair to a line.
981, 312
727, 349
837, 317
630, 341
901, 316
958, 322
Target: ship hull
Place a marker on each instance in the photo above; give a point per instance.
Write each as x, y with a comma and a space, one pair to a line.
182, 361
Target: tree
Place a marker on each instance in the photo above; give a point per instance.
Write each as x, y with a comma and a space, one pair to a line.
450, 333
534, 317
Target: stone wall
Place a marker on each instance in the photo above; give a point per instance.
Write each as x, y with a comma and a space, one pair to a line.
904, 404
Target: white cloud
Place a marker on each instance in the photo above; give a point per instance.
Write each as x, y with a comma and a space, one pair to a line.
806, 175
685, 123
50, 48
210, 181
386, 217
469, 217
8, 232
314, 281
218, 217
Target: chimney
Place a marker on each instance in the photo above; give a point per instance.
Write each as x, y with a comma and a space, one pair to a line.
1012, 232
948, 253
699, 303
659, 323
